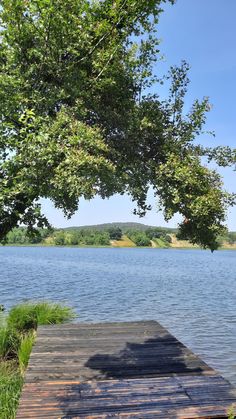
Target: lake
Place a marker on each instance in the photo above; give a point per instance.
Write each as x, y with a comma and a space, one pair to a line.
191, 292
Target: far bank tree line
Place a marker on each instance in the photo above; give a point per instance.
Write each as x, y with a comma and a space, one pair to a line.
87, 237
98, 237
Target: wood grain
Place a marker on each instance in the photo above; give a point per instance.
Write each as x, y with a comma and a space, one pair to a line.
119, 370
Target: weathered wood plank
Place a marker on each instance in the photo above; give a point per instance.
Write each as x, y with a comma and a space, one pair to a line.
120, 370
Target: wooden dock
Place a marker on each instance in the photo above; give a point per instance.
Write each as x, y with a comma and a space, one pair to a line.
119, 370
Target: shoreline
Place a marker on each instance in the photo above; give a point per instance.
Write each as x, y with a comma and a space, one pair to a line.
113, 247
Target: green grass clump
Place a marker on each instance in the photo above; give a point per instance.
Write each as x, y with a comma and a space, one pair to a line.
11, 381
9, 343
26, 317
17, 333
24, 351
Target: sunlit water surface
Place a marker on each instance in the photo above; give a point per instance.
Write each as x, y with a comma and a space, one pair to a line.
191, 292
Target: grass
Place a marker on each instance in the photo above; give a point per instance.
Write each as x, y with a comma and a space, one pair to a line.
11, 381
29, 316
24, 351
17, 334
124, 242
161, 244
9, 343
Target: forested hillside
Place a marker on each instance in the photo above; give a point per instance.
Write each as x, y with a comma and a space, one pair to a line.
124, 226
110, 234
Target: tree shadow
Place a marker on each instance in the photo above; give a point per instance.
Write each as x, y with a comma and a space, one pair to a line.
157, 356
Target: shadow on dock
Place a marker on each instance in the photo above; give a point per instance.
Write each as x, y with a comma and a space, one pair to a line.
154, 357
129, 387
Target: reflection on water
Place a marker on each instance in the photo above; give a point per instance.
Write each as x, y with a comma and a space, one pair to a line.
191, 292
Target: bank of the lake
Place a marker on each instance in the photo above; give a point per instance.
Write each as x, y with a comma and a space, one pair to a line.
172, 247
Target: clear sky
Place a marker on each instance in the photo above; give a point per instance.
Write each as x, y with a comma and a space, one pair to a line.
202, 32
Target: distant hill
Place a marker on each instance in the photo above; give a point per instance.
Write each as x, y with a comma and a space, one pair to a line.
123, 226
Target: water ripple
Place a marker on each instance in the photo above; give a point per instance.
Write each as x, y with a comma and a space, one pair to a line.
191, 292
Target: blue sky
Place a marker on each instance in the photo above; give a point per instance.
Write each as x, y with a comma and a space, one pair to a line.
202, 32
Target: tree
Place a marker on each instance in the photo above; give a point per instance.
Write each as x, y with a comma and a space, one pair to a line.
59, 238
231, 237
17, 236
139, 238
74, 238
115, 233
77, 121
155, 232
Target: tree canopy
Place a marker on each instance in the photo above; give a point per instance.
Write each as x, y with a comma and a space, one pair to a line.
78, 118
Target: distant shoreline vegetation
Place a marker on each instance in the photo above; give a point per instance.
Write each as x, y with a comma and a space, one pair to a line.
109, 235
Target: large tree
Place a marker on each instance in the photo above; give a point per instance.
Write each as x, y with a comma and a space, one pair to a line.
77, 119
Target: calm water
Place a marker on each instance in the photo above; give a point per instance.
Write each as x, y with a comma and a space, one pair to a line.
191, 292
